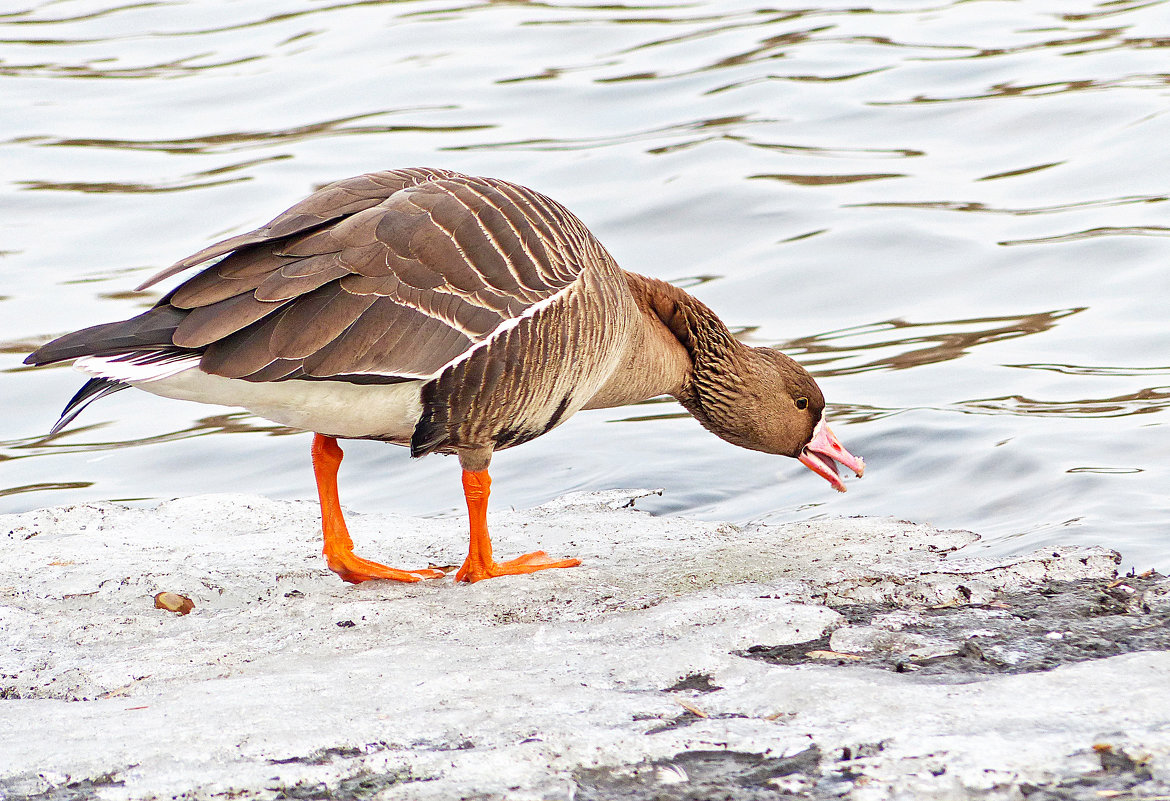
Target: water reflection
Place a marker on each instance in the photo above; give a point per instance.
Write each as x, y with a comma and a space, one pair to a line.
122, 188
805, 235
822, 180
851, 350
65, 442
795, 77
89, 71
983, 208
1093, 233
1080, 369
44, 486
1141, 81
836, 152
692, 281
860, 413
769, 47
1144, 401
243, 140
21, 348
709, 130
23, 18
836, 412
98, 276
657, 132
1021, 171
1114, 9
783, 123
1108, 471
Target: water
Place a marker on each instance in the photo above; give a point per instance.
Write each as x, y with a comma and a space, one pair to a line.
953, 212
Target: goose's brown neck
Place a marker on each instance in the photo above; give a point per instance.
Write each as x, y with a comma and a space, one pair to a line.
679, 348
719, 361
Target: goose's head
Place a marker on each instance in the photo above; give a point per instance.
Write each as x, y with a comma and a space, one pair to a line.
765, 401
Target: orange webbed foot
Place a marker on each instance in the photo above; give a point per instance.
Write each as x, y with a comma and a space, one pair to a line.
479, 564
528, 563
338, 548
354, 569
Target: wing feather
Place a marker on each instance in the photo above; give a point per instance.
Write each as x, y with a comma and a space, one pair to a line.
334, 201
315, 320
378, 331
385, 275
210, 287
282, 286
215, 321
490, 207
246, 353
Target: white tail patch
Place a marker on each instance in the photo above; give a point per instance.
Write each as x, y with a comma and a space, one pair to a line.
336, 408
134, 369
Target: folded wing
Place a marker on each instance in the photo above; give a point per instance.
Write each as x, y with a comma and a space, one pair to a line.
382, 277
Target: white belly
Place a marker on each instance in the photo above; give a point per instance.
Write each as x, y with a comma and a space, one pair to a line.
336, 408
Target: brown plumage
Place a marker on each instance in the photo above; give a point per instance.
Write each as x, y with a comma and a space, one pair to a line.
450, 313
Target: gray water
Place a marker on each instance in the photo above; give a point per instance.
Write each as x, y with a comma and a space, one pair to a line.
954, 213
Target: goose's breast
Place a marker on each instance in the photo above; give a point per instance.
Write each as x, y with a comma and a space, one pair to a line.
535, 375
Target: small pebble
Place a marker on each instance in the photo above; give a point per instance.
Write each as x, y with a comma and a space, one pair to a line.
173, 602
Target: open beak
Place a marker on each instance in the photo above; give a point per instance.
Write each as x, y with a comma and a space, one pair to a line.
822, 454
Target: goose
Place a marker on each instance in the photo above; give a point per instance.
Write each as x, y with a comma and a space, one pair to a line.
446, 313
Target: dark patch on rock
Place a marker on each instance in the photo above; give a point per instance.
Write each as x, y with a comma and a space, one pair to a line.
861, 750
1116, 761
1120, 776
696, 682
80, 790
321, 757
711, 776
688, 717
1056, 624
358, 787
796, 654
461, 745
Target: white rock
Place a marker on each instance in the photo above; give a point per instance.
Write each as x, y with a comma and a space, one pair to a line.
506, 687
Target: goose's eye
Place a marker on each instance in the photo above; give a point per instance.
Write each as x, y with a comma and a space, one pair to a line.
802, 403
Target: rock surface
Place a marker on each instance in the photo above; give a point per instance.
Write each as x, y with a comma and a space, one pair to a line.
848, 658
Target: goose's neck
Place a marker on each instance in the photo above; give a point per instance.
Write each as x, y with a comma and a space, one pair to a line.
679, 347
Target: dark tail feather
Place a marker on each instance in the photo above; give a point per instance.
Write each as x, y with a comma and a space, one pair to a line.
430, 433
151, 330
94, 389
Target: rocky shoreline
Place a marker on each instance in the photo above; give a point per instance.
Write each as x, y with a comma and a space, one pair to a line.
843, 658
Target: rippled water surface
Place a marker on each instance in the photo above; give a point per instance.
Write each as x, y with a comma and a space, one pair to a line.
954, 213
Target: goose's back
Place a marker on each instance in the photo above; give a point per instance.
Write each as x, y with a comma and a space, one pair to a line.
380, 277
495, 296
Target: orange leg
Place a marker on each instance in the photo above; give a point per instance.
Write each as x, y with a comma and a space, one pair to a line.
479, 564
338, 545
